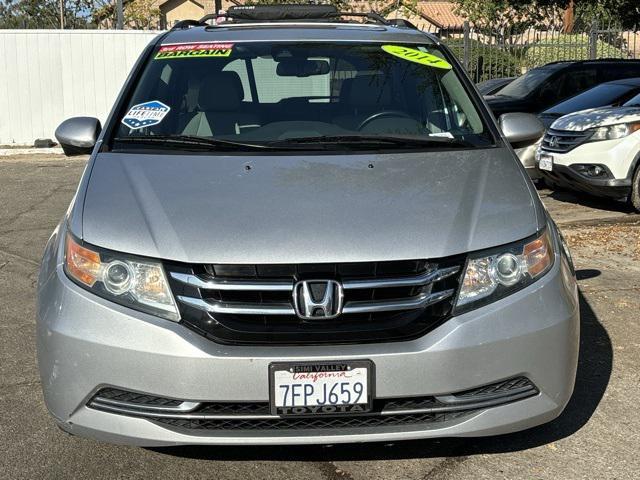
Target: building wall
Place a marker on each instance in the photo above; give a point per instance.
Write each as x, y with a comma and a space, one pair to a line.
176, 10
50, 75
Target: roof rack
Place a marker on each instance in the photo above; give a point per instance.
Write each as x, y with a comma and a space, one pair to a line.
182, 24
288, 12
401, 22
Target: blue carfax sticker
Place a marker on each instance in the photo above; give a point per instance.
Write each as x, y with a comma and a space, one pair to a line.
145, 114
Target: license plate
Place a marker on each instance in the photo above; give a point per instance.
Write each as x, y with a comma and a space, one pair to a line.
321, 388
545, 162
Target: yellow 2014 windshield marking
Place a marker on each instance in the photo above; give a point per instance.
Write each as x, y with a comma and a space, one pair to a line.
416, 56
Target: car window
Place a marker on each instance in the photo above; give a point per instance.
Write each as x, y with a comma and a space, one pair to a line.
566, 84
633, 101
601, 95
618, 71
264, 92
576, 80
528, 82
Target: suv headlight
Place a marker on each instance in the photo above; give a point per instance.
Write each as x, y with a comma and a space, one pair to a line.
496, 273
613, 132
137, 283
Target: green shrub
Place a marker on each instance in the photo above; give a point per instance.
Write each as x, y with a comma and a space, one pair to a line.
486, 61
568, 47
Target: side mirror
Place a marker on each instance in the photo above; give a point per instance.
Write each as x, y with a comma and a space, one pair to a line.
78, 135
521, 129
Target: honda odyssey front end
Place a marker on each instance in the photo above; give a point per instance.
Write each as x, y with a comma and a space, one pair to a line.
303, 233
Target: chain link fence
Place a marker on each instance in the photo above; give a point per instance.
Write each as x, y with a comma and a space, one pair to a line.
493, 53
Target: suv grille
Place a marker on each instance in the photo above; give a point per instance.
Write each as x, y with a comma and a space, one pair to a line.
187, 415
563, 141
253, 304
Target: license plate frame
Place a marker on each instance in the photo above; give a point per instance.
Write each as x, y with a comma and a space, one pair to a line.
317, 366
545, 162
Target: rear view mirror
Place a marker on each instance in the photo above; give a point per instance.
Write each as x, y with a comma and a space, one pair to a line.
78, 135
294, 67
521, 129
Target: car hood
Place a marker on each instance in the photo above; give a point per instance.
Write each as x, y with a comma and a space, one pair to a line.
596, 117
307, 209
500, 104
548, 118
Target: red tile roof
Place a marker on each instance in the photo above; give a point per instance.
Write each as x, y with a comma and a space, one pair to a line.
441, 14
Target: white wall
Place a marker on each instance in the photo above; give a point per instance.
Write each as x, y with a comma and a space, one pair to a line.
47, 76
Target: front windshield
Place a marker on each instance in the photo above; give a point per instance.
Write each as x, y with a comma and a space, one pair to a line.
273, 94
605, 94
633, 101
525, 84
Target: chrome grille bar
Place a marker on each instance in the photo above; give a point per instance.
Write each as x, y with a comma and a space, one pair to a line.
365, 306
411, 303
287, 286
119, 404
240, 285
566, 140
419, 280
237, 308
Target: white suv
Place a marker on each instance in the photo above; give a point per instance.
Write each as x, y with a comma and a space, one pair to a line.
595, 151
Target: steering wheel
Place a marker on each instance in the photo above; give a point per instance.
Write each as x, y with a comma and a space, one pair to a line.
386, 113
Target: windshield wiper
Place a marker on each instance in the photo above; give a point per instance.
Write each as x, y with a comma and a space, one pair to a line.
400, 140
191, 141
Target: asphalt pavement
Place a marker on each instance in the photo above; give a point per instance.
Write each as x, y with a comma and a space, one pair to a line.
598, 435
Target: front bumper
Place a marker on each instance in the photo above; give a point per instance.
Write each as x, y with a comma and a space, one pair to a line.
527, 156
86, 343
616, 156
567, 177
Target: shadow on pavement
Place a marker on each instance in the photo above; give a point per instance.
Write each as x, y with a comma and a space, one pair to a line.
587, 274
591, 201
594, 371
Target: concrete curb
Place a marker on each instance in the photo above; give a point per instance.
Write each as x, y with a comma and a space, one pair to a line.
5, 152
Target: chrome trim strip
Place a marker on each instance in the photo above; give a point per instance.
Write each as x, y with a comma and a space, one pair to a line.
365, 306
247, 286
423, 279
566, 134
183, 407
185, 416
413, 303
238, 308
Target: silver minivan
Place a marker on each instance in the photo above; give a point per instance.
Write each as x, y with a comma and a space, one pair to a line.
297, 227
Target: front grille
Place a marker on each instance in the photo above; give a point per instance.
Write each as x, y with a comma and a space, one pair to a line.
253, 304
243, 416
563, 141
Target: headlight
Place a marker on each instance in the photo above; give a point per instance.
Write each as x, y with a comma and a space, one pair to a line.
494, 274
614, 132
130, 281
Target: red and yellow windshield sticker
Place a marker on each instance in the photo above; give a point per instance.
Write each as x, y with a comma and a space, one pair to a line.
197, 50
416, 56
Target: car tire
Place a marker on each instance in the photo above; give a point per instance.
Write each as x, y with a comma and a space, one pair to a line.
550, 184
634, 197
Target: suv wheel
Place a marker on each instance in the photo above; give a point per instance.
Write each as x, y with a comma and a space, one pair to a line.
634, 197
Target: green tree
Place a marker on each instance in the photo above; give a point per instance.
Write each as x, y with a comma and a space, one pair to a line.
527, 13
623, 13
44, 13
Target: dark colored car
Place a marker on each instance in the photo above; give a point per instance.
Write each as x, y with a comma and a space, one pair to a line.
610, 94
493, 85
542, 87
